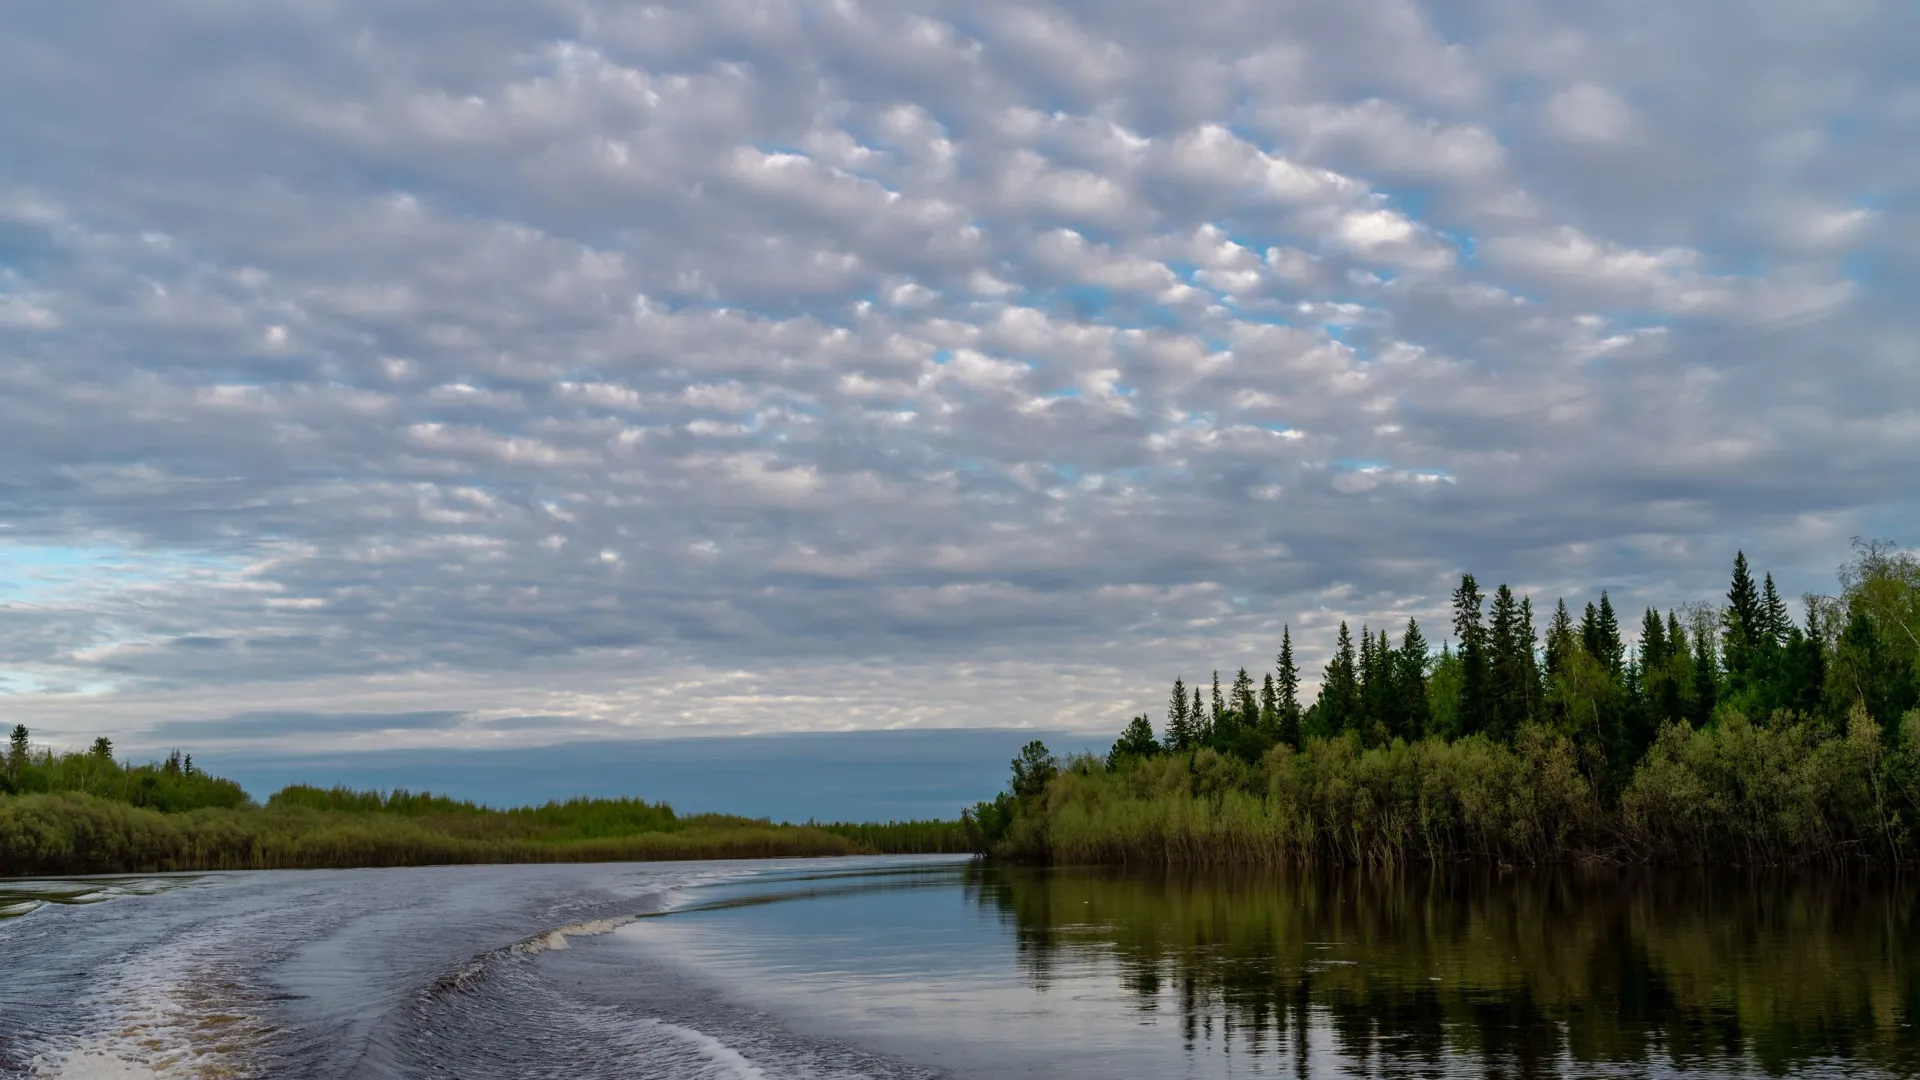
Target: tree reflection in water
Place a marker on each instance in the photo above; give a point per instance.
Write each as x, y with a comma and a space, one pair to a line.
1524, 973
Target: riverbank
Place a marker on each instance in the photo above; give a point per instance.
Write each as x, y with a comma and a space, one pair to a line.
1734, 794
87, 814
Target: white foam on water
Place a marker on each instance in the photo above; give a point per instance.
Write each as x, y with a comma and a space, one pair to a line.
163, 1013
555, 940
729, 1061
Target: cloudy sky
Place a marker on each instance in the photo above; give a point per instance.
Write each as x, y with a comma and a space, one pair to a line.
483, 373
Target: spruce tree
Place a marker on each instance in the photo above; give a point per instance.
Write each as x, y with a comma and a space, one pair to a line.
1179, 727
1286, 687
1339, 689
17, 749
1416, 720
1367, 686
1506, 667
1471, 713
1530, 656
1659, 686
1778, 620
1244, 707
1653, 642
1200, 728
1613, 654
1269, 706
102, 748
1244, 700
1560, 638
1680, 662
1744, 621
1219, 709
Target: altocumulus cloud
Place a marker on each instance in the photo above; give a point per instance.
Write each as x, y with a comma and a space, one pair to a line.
757, 366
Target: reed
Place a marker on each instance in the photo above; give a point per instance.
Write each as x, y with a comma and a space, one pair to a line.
1785, 792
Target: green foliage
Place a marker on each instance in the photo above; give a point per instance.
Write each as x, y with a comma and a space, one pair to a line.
83, 813
1657, 744
1778, 793
1136, 741
1335, 800
905, 837
1033, 770
74, 833
152, 786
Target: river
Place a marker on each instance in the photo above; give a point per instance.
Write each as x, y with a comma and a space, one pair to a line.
938, 967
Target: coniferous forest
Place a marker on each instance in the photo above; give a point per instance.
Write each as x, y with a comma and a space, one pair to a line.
1742, 732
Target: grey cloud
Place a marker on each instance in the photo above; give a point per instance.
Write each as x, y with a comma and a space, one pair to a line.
601, 346
270, 724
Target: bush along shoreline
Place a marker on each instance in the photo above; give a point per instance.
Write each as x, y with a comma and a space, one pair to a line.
86, 813
1729, 735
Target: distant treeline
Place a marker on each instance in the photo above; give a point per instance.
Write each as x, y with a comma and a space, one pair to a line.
1729, 733
81, 813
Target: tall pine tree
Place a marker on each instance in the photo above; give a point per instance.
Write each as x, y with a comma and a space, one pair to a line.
1286, 687
1743, 622
1410, 663
1471, 712
1507, 695
1340, 687
1179, 727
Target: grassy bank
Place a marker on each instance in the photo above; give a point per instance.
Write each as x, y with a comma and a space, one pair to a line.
89, 814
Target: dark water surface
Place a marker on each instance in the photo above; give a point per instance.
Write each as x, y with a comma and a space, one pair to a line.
910, 968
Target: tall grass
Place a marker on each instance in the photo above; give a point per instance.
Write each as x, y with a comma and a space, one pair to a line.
73, 833
85, 813
916, 837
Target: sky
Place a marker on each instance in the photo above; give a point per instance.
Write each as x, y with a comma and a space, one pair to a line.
480, 376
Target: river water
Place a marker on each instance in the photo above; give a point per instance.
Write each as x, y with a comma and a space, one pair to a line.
932, 967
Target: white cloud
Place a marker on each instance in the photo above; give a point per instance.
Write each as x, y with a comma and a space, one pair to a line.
1586, 112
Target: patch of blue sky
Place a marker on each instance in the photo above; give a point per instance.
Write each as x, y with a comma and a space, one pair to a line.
1858, 268
1137, 473
1411, 201
1158, 317
1064, 394
942, 356
41, 573
1066, 472
1361, 464
24, 247
1092, 300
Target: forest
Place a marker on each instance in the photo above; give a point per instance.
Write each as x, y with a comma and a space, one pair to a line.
87, 813
1735, 732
